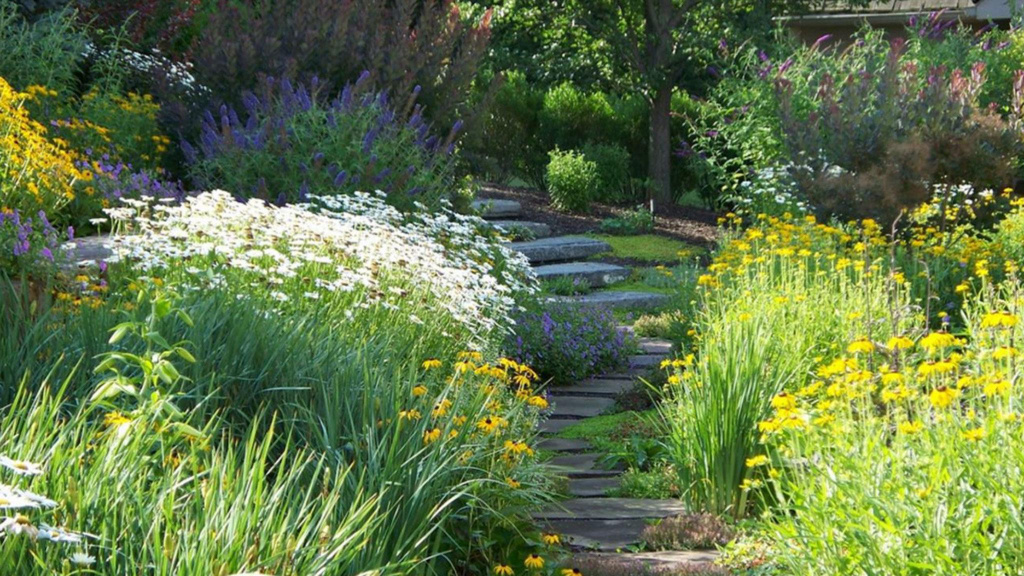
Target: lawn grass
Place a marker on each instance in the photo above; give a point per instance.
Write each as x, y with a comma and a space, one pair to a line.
649, 248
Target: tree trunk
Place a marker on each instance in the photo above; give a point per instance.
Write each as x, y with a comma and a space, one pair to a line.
659, 152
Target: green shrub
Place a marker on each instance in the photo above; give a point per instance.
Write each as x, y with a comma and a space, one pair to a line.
630, 223
659, 482
671, 325
571, 117
613, 167
47, 52
510, 133
571, 180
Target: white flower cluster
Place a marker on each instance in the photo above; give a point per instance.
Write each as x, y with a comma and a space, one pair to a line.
336, 244
770, 190
178, 73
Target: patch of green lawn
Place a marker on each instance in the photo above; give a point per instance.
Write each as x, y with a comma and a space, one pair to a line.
612, 430
649, 247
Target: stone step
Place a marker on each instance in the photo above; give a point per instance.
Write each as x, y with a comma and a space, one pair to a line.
614, 300
627, 374
596, 274
655, 346
579, 406
556, 425
600, 387
564, 445
674, 562
495, 209
592, 487
581, 466
600, 535
89, 251
611, 509
560, 248
646, 360
537, 229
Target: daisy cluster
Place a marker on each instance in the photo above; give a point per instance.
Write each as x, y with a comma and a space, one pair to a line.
353, 244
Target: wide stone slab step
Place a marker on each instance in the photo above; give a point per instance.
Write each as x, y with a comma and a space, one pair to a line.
669, 562
627, 374
611, 509
655, 346
599, 535
537, 229
560, 248
615, 300
556, 425
596, 274
494, 209
592, 487
89, 250
600, 387
579, 406
646, 360
580, 466
564, 445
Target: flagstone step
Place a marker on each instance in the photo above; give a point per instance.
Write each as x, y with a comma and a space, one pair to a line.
581, 466
600, 387
655, 346
556, 425
669, 562
592, 487
560, 248
579, 407
596, 274
537, 229
646, 360
89, 250
631, 374
611, 509
564, 445
494, 209
599, 535
614, 299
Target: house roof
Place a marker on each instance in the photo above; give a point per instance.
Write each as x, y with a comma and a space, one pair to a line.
895, 6
897, 11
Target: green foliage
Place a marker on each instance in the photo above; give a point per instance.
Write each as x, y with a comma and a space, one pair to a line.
630, 223
571, 180
657, 483
613, 171
46, 52
510, 132
566, 286
671, 325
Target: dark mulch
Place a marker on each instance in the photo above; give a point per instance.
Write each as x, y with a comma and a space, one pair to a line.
686, 223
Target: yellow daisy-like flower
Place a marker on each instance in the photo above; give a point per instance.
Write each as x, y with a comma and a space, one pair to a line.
892, 378
114, 419
996, 387
534, 562
759, 460
911, 427
899, 343
860, 346
571, 572
937, 341
975, 434
490, 424
441, 408
431, 363
942, 397
538, 402
551, 539
431, 435
518, 447
419, 390
410, 415
998, 320
513, 483
1004, 352
503, 570
784, 401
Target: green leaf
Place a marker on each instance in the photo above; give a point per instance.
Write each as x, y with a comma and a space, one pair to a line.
111, 388
167, 372
120, 331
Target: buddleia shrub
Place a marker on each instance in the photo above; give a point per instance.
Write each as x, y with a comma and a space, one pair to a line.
294, 142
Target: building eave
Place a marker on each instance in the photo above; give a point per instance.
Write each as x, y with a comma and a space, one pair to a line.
873, 18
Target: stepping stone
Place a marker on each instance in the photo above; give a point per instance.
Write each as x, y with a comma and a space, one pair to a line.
581, 466
495, 209
628, 374
556, 425
560, 248
601, 535
655, 346
646, 361
683, 561
592, 487
579, 407
538, 229
90, 250
566, 445
596, 274
615, 300
611, 509
600, 387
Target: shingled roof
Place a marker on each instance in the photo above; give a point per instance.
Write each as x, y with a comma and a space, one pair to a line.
896, 6
893, 11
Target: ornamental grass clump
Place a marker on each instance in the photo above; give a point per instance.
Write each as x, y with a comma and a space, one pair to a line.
292, 142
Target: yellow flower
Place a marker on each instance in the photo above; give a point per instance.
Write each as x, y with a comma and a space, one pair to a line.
784, 402
512, 483
537, 402
942, 397
419, 390
113, 419
551, 539
518, 447
431, 435
975, 434
503, 570
1004, 352
936, 368
998, 320
534, 562
759, 460
860, 346
899, 343
571, 572
911, 427
441, 408
937, 340
410, 415
431, 364
490, 424
996, 387
891, 378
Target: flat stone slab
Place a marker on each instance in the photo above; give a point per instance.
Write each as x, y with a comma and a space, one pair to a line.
90, 250
556, 425
637, 562
564, 445
596, 274
615, 300
628, 374
560, 248
538, 229
646, 361
571, 463
579, 406
611, 509
600, 535
495, 209
600, 387
654, 346
592, 487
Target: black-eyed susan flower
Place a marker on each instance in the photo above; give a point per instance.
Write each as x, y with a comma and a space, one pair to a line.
419, 390
860, 346
755, 461
571, 572
937, 341
538, 402
410, 415
899, 343
513, 483
503, 570
534, 562
942, 397
441, 408
431, 363
430, 436
551, 539
490, 424
974, 435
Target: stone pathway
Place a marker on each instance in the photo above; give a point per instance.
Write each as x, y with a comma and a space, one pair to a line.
596, 527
